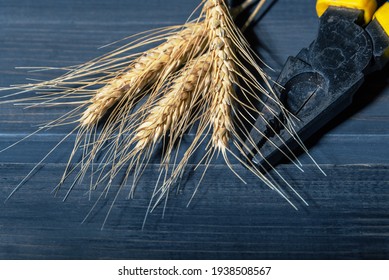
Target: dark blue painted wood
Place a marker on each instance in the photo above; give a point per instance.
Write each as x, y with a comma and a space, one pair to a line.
348, 213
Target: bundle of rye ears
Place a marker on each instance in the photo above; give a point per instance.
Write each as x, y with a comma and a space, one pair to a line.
203, 76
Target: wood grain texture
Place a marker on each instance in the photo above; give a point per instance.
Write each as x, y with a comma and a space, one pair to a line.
348, 216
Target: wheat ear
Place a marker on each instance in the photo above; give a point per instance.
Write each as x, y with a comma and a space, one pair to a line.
153, 66
168, 118
172, 106
224, 76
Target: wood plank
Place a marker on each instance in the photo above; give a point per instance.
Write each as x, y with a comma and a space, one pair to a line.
347, 218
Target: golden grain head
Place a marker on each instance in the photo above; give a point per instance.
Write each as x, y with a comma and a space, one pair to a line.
154, 66
175, 103
224, 69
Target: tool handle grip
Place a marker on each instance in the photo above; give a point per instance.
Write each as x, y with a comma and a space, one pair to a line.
367, 6
382, 16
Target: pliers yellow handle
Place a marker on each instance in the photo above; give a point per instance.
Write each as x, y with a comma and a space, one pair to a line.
382, 17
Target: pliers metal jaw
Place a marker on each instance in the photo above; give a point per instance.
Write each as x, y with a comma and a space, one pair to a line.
319, 82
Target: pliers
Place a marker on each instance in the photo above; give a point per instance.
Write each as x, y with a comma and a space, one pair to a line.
318, 83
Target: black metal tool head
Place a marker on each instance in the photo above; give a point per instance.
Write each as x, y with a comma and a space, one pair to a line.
317, 84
